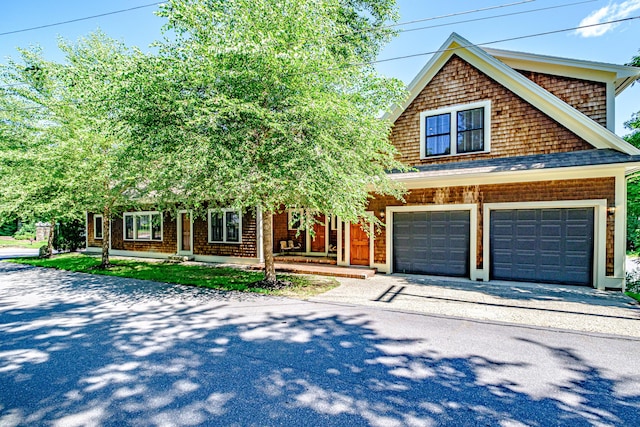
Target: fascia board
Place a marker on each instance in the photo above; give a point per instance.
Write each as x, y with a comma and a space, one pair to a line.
621, 75
416, 180
572, 119
425, 75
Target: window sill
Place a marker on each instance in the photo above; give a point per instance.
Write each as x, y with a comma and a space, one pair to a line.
224, 243
142, 240
444, 156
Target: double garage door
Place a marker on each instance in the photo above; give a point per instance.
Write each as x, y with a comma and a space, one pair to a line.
537, 245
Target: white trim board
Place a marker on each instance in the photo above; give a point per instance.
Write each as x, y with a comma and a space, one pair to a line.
549, 104
473, 230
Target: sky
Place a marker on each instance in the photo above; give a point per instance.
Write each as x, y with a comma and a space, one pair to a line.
479, 21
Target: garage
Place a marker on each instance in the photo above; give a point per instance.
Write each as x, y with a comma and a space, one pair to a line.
431, 242
542, 245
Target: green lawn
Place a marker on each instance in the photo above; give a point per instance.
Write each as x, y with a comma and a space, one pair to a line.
633, 295
12, 243
224, 278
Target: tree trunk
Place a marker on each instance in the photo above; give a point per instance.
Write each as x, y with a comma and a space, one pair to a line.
267, 247
106, 237
52, 230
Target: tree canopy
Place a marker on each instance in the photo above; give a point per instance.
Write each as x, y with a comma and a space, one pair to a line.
269, 105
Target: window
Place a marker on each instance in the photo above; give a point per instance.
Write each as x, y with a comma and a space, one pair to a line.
143, 226
294, 219
225, 226
455, 130
97, 227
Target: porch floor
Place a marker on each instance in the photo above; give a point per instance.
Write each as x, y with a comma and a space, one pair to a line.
305, 259
322, 269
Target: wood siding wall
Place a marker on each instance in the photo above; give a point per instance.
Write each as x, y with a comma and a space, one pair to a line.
588, 97
517, 127
578, 189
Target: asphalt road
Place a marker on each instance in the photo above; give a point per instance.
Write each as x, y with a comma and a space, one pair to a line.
80, 350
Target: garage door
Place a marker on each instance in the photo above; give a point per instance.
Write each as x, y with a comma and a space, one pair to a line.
542, 245
434, 242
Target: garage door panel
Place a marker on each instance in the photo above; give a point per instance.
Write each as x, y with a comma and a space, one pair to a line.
431, 242
548, 245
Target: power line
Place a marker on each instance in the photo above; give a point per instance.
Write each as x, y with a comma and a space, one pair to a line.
80, 19
546, 33
397, 58
522, 12
466, 12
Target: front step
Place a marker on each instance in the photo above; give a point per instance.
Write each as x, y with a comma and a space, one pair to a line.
180, 258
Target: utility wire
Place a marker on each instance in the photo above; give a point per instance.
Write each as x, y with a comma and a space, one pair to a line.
23, 30
564, 30
407, 30
398, 58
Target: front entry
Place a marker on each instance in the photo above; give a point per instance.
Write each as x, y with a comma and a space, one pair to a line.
359, 248
185, 221
318, 242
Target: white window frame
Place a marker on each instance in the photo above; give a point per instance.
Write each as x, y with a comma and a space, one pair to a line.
224, 226
135, 226
96, 228
453, 131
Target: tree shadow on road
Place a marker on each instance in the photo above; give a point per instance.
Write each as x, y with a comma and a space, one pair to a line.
96, 358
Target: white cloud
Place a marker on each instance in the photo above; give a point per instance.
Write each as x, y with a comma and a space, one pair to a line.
610, 12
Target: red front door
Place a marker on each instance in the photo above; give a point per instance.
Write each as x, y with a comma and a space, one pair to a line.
319, 240
186, 232
359, 246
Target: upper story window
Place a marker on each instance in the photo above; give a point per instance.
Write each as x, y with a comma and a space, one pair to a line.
97, 227
225, 226
455, 130
143, 226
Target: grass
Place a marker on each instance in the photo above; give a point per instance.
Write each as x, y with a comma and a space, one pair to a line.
633, 295
223, 278
12, 243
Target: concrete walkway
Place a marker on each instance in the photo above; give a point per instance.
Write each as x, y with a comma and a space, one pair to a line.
564, 307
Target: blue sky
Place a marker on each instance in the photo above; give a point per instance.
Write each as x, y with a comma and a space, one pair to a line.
614, 44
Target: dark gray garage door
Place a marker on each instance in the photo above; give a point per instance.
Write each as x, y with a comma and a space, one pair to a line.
542, 245
434, 242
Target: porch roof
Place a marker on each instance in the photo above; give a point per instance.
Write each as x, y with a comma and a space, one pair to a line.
598, 157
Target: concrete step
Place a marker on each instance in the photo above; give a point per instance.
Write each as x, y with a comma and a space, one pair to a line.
180, 258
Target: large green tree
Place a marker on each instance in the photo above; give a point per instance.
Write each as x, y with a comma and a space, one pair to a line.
633, 184
63, 131
263, 104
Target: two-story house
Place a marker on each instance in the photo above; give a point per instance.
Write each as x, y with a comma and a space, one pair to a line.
518, 176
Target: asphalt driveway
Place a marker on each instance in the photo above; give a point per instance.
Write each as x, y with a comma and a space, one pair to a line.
576, 308
79, 350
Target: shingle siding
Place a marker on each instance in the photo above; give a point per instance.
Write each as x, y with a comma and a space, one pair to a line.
575, 189
517, 127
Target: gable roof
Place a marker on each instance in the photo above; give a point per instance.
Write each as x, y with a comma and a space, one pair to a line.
563, 113
621, 76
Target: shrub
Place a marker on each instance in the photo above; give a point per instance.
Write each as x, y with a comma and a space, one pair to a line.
69, 236
633, 278
9, 228
26, 232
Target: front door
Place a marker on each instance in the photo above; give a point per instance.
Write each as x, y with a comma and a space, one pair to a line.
319, 240
359, 246
185, 244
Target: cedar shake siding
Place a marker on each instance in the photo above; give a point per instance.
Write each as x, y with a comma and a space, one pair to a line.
168, 244
247, 248
576, 189
91, 241
281, 232
588, 97
517, 127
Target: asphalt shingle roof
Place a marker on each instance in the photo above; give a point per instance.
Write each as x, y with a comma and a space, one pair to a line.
523, 163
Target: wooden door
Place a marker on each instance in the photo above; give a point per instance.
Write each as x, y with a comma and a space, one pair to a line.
318, 244
186, 232
359, 246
